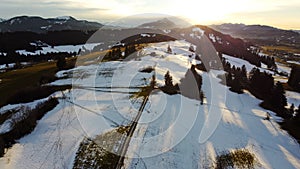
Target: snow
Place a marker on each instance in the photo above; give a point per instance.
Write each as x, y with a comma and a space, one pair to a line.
293, 62
293, 97
283, 68
6, 126
46, 27
62, 48
3, 53
167, 31
200, 31
240, 62
63, 18
145, 35
174, 131
197, 33
4, 66
212, 37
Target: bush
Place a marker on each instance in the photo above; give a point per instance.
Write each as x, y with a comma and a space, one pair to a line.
240, 158
147, 69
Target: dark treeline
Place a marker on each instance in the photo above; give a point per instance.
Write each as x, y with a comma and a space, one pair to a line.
263, 86
11, 41
238, 48
147, 38
15, 57
269, 61
260, 84
294, 79
132, 44
120, 52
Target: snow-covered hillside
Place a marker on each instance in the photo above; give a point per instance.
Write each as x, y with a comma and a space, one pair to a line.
174, 131
61, 48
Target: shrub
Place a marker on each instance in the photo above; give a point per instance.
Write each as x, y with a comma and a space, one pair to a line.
147, 69
240, 158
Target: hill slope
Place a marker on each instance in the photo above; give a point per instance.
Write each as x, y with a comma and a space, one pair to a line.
181, 124
261, 34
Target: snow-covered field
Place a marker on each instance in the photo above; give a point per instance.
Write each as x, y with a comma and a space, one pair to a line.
240, 62
174, 131
11, 65
293, 62
61, 48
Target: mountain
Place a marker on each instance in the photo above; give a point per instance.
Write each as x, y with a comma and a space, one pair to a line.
42, 25
2, 20
159, 24
298, 31
260, 34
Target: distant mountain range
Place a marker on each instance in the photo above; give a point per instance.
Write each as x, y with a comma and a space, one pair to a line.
41, 25
260, 34
159, 24
298, 31
257, 34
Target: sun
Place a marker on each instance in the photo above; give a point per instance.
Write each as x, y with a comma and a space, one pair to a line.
204, 11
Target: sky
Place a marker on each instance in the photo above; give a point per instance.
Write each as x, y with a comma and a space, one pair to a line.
278, 13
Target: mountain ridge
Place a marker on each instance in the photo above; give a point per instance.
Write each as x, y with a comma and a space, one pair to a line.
38, 24
260, 34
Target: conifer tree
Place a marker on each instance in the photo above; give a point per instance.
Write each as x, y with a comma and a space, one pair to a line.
168, 79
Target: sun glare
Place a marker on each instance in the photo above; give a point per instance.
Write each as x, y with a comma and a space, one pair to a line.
205, 11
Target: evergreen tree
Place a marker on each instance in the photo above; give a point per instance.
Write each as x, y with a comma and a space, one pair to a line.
127, 53
229, 79
168, 79
118, 52
292, 107
236, 85
277, 98
153, 82
2, 147
201, 97
244, 72
298, 112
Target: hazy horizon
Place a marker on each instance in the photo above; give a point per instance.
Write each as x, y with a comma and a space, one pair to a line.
276, 13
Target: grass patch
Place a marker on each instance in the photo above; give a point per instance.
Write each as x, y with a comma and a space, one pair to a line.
240, 158
30, 94
31, 77
91, 155
280, 48
101, 152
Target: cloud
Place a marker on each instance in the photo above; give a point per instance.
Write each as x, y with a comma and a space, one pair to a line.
52, 8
